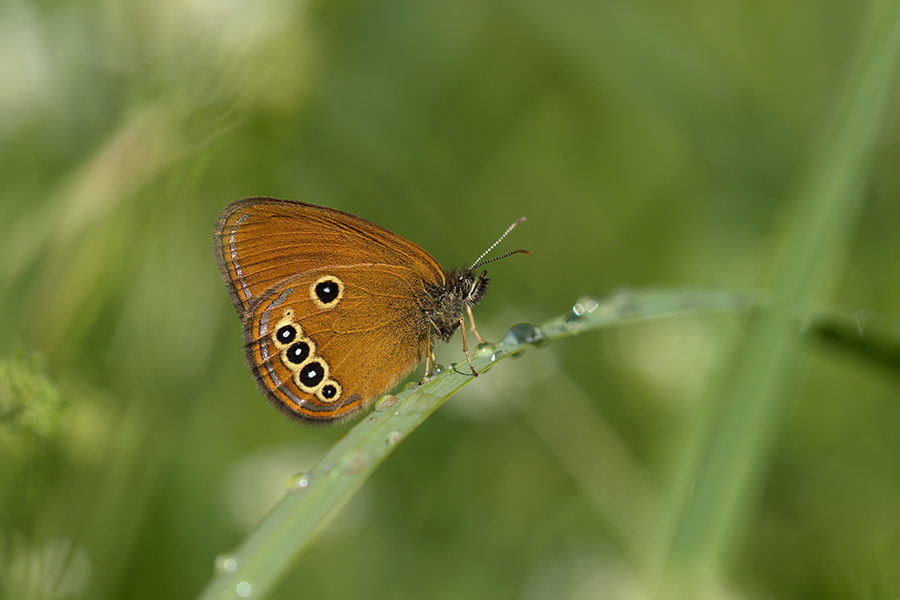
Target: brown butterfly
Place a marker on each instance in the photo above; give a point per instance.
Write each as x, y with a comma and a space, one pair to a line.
336, 310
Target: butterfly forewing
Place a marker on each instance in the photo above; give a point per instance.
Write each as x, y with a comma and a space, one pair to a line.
260, 242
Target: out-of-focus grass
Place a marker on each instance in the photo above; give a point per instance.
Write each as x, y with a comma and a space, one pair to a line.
647, 144
743, 411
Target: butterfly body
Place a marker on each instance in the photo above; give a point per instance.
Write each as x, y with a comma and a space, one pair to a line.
448, 303
335, 310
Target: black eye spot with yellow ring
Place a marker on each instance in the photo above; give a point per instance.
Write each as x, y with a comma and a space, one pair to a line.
311, 374
286, 331
285, 334
326, 291
329, 392
298, 353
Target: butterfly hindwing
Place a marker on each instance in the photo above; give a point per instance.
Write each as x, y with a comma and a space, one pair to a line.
323, 344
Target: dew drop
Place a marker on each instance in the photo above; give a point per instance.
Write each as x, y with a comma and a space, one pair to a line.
524, 333
438, 369
298, 482
355, 462
225, 563
584, 306
386, 402
484, 349
243, 589
334, 472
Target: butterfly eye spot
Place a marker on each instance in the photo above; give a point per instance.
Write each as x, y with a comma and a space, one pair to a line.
311, 374
285, 334
329, 391
286, 331
297, 353
326, 291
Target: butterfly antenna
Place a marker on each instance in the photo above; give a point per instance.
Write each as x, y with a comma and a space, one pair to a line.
478, 262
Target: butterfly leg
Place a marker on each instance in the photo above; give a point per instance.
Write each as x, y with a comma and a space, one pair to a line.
462, 327
429, 358
429, 370
475, 331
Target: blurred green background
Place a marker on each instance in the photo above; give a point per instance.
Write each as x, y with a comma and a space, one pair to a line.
647, 143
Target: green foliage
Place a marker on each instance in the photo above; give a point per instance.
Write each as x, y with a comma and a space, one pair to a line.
29, 403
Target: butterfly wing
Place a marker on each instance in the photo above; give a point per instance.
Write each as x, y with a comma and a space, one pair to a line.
260, 242
333, 306
324, 364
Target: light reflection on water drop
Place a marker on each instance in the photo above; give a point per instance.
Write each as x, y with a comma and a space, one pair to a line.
484, 349
583, 307
225, 564
298, 482
243, 589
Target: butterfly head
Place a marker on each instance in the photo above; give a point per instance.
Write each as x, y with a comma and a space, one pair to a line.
466, 287
461, 291
449, 302
470, 288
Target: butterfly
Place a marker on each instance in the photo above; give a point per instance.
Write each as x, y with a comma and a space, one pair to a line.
335, 309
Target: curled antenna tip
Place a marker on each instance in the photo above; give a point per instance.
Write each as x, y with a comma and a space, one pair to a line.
502, 256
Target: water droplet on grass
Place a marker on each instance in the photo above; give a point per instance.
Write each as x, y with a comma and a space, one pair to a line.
484, 349
386, 402
225, 563
243, 589
298, 482
355, 462
524, 333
